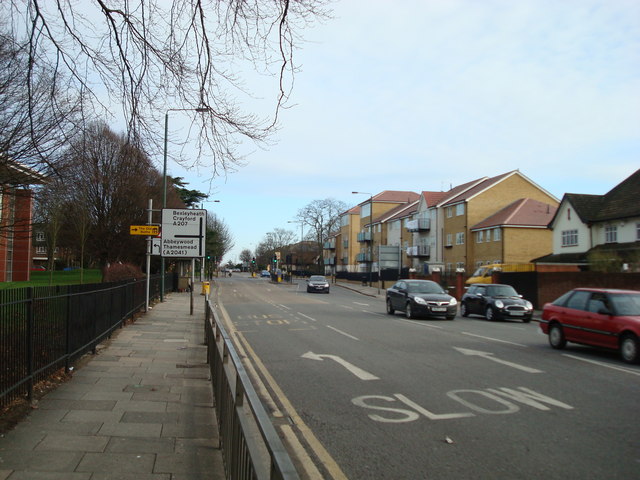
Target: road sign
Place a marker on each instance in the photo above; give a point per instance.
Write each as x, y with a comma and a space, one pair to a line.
148, 230
183, 232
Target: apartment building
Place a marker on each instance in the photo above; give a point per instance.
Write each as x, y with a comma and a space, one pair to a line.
16, 201
479, 202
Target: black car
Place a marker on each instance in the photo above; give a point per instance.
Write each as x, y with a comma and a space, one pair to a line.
420, 297
495, 302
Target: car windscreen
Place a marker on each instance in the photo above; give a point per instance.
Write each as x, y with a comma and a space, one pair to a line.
317, 278
626, 303
424, 288
502, 291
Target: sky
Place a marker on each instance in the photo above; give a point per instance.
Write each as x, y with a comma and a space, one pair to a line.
425, 95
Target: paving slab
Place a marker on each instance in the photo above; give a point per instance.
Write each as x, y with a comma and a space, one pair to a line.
140, 409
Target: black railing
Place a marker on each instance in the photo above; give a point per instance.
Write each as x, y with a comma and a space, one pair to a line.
247, 455
43, 329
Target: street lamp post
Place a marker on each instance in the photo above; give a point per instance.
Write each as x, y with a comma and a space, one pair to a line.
164, 178
370, 232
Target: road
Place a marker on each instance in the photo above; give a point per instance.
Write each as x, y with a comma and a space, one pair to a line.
369, 395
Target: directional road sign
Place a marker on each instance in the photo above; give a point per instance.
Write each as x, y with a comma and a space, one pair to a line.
183, 232
148, 230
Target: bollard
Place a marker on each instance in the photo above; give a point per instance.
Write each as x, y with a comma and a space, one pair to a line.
205, 288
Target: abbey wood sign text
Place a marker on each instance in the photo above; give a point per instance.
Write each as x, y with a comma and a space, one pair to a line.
183, 232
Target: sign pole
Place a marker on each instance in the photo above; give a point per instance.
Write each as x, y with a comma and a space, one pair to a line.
149, 219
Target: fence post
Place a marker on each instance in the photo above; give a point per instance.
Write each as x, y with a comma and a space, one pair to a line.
67, 332
30, 342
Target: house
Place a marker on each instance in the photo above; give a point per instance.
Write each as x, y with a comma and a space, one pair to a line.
16, 200
590, 229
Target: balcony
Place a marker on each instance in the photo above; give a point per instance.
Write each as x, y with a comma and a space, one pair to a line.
345, 260
419, 225
330, 261
419, 251
364, 237
363, 257
329, 244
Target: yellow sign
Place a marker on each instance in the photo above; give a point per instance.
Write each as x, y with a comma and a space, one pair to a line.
149, 230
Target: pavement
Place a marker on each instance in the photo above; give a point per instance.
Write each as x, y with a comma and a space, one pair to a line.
140, 409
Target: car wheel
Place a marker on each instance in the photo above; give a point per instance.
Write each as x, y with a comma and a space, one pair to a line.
408, 311
526, 319
556, 337
308, 291
450, 317
629, 348
390, 309
489, 314
463, 310
327, 290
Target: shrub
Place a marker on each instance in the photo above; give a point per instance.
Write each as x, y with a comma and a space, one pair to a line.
116, 272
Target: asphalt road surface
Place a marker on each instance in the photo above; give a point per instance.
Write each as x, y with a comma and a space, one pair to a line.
370, 395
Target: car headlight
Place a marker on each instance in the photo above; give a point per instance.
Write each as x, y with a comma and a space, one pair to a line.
529, 305
499, 304
453, 301
420, 300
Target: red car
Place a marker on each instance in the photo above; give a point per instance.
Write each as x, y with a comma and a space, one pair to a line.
595, 316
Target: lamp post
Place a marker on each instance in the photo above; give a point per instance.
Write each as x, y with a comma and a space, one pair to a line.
164, 177
370, 231
301, 237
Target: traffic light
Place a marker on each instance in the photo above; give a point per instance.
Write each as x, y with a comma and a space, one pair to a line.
253, 260
275, 259
208, 257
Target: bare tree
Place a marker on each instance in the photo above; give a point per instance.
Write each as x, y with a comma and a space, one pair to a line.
321, 216
152, 56
219, 240
246, 256
39, 114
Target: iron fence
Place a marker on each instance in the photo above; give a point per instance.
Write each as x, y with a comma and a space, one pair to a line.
251, 447
43, 329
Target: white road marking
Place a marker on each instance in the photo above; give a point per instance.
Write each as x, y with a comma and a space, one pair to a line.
307, 317
493, 339
362, 304
422, 324
343, 333
602, 364
357, 371
489, 356
283, 306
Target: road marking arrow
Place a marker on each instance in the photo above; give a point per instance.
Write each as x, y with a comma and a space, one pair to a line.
489, 356
358, 372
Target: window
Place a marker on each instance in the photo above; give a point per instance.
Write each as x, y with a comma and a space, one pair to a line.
610, 234
578, 300
41, 250
449, 212
569, 238
496, 235
460, 238
460, 265
365, 210
480, 236
637, 231
459, 209
449, 239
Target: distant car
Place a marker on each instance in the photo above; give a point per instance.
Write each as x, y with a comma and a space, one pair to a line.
317, 283
495, 302
265, 273
38, 268
420, 298
598, 317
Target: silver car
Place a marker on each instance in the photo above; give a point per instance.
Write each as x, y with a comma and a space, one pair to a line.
317, 283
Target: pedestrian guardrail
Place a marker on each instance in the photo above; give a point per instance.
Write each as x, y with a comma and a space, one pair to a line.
251, 447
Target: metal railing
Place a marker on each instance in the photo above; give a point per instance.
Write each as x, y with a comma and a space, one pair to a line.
43, 329
251, 447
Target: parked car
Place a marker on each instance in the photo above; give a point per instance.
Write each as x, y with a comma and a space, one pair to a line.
595, 316
317, 283
495, 302
38, 268
265, 273
420, 298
